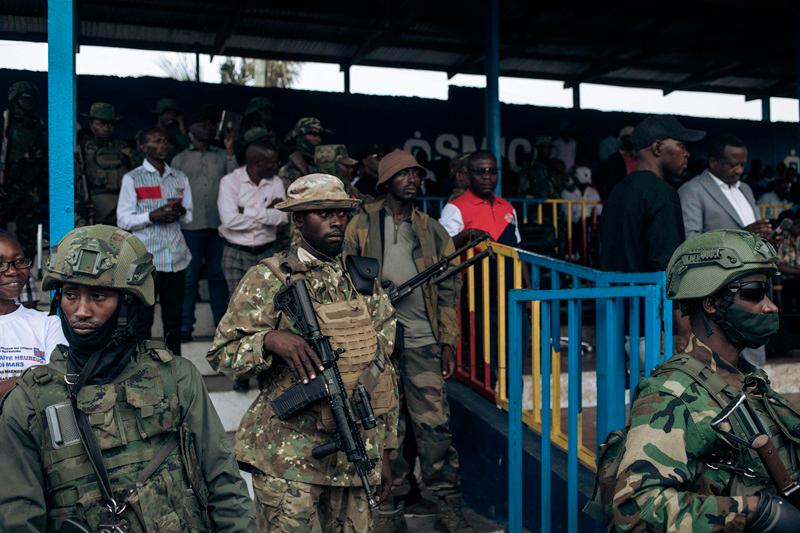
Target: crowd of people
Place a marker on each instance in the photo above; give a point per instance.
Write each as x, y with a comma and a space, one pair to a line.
221, 198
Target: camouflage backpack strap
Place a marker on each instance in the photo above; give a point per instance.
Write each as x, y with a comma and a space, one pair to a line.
157, 350
702, 374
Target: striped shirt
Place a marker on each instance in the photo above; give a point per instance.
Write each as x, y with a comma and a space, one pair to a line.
144, 190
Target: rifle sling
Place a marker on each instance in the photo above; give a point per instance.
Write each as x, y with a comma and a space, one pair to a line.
93, 448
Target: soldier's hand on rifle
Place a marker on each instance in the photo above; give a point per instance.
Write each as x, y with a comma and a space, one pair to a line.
448, 361
296, 352
386, 478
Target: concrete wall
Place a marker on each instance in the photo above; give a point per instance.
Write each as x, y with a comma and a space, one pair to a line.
480, 433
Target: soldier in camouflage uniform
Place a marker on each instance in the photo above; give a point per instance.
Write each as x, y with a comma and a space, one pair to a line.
293, 488
23, 165
105, 161
677, 473
304, 138
258, 114
406, 241
333, 159
169, 463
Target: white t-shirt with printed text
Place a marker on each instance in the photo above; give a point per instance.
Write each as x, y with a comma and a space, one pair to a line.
27, 338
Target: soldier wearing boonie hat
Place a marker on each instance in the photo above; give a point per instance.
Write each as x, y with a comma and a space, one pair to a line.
292, 488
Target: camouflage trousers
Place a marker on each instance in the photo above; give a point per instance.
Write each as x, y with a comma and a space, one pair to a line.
292, 506
425, 419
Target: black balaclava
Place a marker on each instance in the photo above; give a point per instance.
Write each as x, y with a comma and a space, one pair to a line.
116, 340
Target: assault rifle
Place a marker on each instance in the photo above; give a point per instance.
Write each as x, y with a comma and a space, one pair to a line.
295, 302
348, 412
757, 438
438, 272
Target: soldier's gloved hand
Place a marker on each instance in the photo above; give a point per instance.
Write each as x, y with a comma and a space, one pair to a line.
296, 352
774, 515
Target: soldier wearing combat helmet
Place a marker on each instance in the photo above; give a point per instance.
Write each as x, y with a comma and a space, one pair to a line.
292, 487
105, 160
114, 434
302, 139
690, 459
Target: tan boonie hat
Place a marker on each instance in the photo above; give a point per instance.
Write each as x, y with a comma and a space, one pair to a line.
315, 192
394, 162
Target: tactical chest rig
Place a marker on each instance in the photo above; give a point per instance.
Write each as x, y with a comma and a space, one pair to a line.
349, 327
149, 459
734, 465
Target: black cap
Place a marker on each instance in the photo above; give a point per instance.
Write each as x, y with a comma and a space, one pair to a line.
659, 127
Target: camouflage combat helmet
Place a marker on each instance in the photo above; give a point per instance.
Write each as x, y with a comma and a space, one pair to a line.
102, 111
304, 126
330, 153
102, 256
705, 263
22, 87
256, 134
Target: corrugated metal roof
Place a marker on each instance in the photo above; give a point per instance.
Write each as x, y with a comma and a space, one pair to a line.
735, 46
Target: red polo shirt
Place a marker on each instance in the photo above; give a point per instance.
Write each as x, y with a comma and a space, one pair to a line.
469, 211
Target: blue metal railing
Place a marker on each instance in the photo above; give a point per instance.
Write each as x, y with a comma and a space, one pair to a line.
611, 292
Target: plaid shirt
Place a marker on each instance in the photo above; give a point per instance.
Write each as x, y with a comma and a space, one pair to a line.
144, 190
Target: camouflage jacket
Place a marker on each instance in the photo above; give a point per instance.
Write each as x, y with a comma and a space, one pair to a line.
665, 482
155, 398
364, 236
283, 448
291, 171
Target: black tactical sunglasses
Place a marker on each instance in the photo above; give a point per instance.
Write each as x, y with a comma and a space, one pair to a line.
752, 291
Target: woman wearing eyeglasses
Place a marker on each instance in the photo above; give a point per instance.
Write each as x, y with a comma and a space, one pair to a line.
27, 336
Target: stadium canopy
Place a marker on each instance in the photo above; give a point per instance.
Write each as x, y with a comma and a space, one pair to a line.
728, 46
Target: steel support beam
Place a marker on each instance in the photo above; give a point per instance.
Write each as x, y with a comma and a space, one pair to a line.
346, 70
766, 112
576, 96
61, 115
492, 65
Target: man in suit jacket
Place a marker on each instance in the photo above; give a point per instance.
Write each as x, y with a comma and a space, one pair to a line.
717, 199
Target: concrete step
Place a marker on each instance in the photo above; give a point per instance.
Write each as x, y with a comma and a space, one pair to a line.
204, 323
784, 378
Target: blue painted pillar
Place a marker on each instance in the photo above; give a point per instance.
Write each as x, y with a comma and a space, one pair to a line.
61, 115
492, 87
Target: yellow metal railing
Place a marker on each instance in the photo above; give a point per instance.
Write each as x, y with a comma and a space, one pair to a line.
494, 335
773, 210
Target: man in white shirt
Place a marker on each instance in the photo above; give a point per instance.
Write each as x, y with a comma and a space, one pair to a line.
27, 336
246, 204
155, 200
717, 199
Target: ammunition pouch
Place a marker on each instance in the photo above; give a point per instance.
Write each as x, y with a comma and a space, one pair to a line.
363, 271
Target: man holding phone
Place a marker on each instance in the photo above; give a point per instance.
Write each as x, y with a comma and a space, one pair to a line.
154, 202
